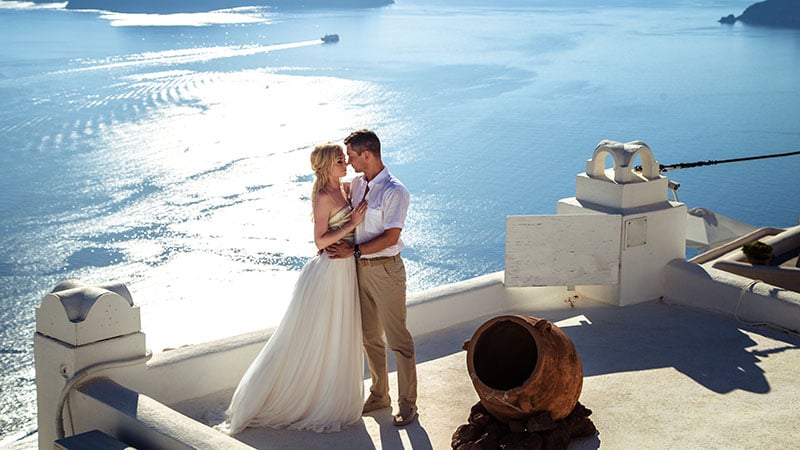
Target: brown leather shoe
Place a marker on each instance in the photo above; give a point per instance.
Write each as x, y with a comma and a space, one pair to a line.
374, 403
405, 416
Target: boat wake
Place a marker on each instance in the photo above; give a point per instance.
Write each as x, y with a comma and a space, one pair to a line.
183, 56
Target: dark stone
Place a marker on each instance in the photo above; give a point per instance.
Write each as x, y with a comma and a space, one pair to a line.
521, 441
516, 426
468, 446
582, 427
465, 433
541, 422
488, 441
578, 423
480, 419
497, 429
730, 18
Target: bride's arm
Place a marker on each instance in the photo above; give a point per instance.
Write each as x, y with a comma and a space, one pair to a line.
323, 208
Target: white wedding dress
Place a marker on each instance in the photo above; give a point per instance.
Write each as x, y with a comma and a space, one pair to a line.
309, 375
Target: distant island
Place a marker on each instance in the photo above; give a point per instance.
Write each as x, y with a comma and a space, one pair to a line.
189, 6
769, 13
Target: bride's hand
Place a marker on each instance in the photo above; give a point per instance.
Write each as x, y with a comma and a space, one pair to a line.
359, 212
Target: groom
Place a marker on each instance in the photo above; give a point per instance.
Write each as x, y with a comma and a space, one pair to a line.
381, 274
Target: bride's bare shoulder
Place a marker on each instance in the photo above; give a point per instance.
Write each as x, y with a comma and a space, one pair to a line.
323, 202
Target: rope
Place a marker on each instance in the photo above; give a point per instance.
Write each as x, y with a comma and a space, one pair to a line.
751, 288
64, 396
666, 168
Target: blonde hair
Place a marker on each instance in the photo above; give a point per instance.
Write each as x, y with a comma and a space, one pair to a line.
323, 157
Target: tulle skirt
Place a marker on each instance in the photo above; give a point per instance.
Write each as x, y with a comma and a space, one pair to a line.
309, 375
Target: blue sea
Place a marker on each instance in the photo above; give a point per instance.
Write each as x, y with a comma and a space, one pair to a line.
170, 152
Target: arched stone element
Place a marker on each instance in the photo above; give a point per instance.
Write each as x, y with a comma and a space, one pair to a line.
78, 314
623, 156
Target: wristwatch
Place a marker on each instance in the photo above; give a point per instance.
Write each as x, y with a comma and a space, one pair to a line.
356, 251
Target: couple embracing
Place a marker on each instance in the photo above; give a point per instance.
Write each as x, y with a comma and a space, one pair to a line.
309, 375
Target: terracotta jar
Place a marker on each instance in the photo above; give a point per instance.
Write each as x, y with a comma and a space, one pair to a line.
523, 365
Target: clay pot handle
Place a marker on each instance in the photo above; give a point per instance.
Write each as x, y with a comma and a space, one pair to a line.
542, 325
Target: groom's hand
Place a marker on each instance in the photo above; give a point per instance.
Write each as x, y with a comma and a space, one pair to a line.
341, 249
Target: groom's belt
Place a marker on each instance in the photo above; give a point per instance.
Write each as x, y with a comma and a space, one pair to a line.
381, 260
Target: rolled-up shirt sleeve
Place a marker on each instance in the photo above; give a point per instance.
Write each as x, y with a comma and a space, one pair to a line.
395, 207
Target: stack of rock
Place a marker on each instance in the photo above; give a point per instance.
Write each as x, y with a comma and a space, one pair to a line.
484, 432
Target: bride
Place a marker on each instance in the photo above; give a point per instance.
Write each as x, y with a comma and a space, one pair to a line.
309, 375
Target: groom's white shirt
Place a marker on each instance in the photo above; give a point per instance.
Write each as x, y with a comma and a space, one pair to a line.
387, 202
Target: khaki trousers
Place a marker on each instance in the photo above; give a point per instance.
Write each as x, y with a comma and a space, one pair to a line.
382, 288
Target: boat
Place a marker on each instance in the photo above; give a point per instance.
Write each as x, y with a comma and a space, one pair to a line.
329, 38
675, 353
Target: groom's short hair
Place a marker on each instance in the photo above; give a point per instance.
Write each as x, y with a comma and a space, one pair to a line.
364, 139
